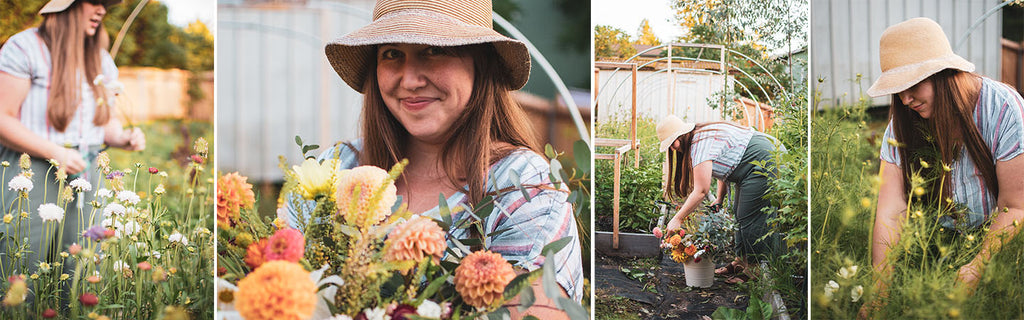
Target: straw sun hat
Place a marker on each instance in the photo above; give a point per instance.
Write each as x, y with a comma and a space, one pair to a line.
911, 51
61, 5
670, 129
436, 23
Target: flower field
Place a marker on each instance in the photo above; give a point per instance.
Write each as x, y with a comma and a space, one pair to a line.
926, 259
147, 252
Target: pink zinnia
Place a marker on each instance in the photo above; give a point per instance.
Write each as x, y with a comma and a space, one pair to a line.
657, 232
286, 244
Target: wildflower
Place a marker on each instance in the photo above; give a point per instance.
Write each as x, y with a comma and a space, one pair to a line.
93, 315
104, 193
8, 218
233, 194
24, 215
20, 183
276, 290
95, 233
894, 143
177, 237
970, 237
81, 185
847, 272
401, 311
856, 292
243, 239
153, 170
830, 288
314, 178
5, 164
34, 276
61, 174
17, 292
98, 80
368, 180
64, 276
919, 191
200, 146
75, 248
159, 190
44, 267
415, 239
103, 160
144, 266
946, 168
690, 250
50, 212
128, 197
254, 254
49, 313
374, 314
25, 162
163, 174
114, 209
953, 313
865, 202
675, 240
429, 309
175, 313
481, 278
88, 299
925, 164
93, 279
286, 244
197, 159
159, 274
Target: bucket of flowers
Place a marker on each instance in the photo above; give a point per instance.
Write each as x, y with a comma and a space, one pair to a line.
356, 252
705, 236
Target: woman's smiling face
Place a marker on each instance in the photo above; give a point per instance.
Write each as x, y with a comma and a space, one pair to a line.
919, 98
425, 87
92, 14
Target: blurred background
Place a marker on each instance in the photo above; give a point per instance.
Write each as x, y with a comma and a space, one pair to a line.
275, 81
165, 62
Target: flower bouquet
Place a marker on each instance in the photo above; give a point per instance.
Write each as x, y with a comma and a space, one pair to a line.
343, 246
705, 236
149, 257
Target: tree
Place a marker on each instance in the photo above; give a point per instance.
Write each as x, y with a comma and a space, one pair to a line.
611, 42
645, 36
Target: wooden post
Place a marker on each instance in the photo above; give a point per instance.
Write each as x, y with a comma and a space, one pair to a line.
632, 129
615, 201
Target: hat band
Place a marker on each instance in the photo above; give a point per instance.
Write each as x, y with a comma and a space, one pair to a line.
912, 66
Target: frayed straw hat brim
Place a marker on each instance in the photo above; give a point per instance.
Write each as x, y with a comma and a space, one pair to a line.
901, 78
353, 53
61, 5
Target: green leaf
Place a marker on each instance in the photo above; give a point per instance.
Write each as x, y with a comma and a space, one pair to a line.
298, 141
557, 173
433, 287
526, 298
498, 232
520, 283
758, 310
446, 214
310, 147
519, 185
724, 313
500, 314
554, 247
485, 207
551, 288
581, 152
574, 309
549, 151
530, 317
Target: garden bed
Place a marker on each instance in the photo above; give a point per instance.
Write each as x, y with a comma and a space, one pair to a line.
652, 288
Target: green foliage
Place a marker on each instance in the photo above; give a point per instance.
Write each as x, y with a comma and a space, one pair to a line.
611, 42
153, 42
756, 310
641, 187
18, 15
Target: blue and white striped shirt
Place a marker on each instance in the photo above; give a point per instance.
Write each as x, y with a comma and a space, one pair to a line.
998, 116
26, 56
724, 145
534, 223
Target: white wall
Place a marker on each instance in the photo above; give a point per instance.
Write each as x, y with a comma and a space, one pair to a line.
691, 94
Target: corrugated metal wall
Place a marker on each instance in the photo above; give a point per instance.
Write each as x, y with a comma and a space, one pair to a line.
274, 82
845, 34
692, 91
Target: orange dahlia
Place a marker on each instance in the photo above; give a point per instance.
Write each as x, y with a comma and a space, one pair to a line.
481, 278
286, 244
254, 254
277, 290
368, 179
414, 239
233, 194
690, 250
675, 240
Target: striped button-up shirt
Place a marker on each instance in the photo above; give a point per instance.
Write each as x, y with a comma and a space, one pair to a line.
26, 56
998, 116
724, 145
547, 216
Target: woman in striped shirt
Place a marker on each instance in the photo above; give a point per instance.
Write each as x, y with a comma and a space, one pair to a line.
50, 105
948, 122
731, 154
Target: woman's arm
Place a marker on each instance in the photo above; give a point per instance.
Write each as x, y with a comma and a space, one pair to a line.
14, 134
115, 135
723, 188
892, 205
1005, 225
701, 185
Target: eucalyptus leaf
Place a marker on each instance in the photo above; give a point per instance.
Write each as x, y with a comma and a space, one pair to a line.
519, 185
549, 151
500, 314
551, 288
446, 214
556, 171
298, 140
432, 288
573, 309
555, 246
498, 232
581, 152
530, 317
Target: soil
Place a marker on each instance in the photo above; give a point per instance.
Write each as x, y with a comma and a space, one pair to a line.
661, 292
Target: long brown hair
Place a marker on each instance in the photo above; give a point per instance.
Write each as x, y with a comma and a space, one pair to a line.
681, 163
73, 56
470, 147
950, 128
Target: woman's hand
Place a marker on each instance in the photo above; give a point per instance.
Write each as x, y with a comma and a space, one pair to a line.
136, 140
70, 159
969, 275
115, 136
674, 224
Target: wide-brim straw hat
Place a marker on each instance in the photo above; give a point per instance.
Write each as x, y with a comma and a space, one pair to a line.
670, 129
61, 5
911, 51
437, 23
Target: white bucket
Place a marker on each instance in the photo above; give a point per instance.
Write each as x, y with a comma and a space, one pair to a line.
701, 274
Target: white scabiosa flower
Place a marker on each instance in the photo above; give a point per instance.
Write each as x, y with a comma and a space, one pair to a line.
127, 196
120, 265
20, 183
830, 288
104, 193
159, 190
847, 272
429, 309
114, 209
376, 314
50, 212
178, 237
81, 185
856, 292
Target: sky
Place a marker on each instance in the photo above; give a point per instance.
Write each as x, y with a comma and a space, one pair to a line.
627, 15
182, 12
